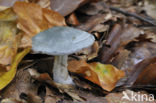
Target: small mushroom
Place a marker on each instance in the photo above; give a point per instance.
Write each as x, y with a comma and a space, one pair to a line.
60, 42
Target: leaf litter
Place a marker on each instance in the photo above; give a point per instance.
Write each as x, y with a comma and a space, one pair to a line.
124, 51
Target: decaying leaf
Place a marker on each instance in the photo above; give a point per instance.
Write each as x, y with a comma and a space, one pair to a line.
7, 77
105, 76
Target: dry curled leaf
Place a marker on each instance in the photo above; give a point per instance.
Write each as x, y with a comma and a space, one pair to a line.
105, 76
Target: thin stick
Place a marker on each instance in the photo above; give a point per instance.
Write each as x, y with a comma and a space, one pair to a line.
132, 14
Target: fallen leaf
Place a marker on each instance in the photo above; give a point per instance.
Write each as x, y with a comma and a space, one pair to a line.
32, 98
61, 6
7, 77
33, 19
89, 53
8, 39
105, 76
119, 36
63, 88
72, 20
70, 90
8, 43
147, 76
143, 73
22, 83
50, 97
8, 15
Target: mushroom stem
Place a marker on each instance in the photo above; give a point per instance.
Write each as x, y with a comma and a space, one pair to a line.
60, 71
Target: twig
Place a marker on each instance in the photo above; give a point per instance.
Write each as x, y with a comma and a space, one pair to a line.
132, 14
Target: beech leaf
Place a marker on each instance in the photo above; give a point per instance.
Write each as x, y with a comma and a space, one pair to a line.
103, 75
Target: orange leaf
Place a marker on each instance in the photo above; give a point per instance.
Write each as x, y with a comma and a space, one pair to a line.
103, 75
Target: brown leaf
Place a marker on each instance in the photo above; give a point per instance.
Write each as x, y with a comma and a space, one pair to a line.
89, 53
143, 73
148, 75
63, 88
32, 98
119, 36
21, 84
72, 20
33, 19
50, 97
61, 6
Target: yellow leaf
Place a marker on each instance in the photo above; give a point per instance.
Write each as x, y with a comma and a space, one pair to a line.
7, 77
7, 15
8, 39
103, 75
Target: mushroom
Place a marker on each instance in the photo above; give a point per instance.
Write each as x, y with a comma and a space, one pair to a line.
60, 42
